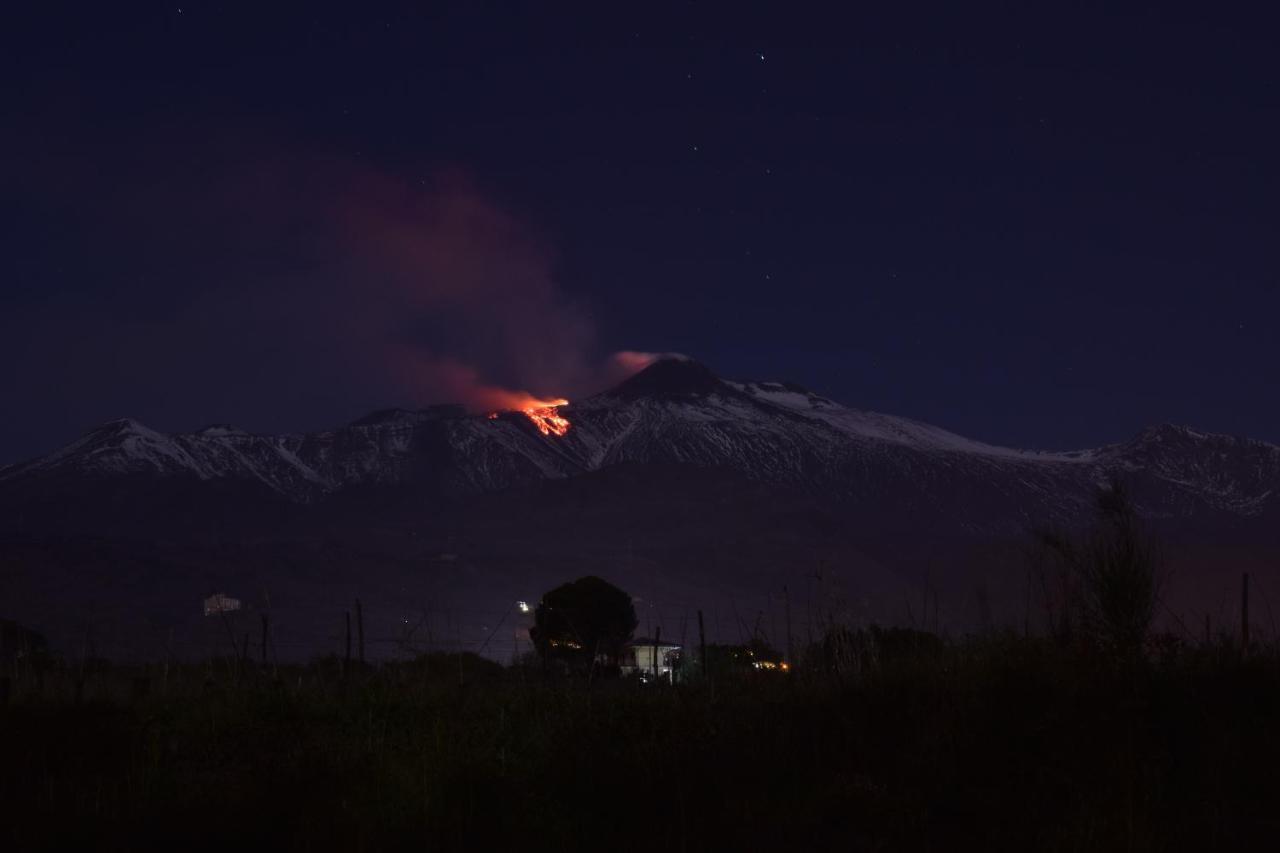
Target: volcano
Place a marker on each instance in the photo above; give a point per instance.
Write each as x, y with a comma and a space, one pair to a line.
676, 412
680, 484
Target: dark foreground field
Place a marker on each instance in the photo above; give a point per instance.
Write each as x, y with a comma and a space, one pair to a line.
1004, 744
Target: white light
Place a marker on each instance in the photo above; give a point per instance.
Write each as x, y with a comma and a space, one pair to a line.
523, 605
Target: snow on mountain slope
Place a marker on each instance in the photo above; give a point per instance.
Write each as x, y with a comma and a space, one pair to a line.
887, 428
464, 453
1236, 475
677, 412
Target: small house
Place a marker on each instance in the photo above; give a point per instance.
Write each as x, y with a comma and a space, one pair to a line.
649, 657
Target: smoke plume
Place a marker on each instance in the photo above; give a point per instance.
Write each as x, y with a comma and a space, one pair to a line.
245, 281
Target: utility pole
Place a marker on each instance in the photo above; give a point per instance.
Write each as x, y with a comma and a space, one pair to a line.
657, 635
1244, 616
360, 629
263, 650
702, 644
346, 661
457, 630
786, 597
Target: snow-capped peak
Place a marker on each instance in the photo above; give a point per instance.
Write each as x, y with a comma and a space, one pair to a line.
674, 412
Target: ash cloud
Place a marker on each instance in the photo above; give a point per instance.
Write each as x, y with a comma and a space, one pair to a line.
468, 296
248, 283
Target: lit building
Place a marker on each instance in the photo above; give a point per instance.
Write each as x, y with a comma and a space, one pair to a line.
638, 658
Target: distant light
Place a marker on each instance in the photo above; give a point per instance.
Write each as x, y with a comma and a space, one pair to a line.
523, 605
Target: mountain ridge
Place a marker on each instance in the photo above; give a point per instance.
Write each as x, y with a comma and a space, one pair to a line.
680, 413
676, 412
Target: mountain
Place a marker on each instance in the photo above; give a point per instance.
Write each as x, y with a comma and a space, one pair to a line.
681, 485
677, 412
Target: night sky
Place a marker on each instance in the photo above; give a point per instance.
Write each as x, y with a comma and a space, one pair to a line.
1038, 228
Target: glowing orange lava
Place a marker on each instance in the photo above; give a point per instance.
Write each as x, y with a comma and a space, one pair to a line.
546, 418
543, 413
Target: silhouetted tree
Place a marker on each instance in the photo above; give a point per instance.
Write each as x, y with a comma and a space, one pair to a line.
582, 620
1121, 574
1109, 578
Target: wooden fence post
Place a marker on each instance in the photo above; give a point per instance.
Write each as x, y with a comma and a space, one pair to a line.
360, 629
702, 644
263, 650
786, 597
346, 661
1244, 615
657, 635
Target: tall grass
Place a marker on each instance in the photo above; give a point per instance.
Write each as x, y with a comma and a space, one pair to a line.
993, 743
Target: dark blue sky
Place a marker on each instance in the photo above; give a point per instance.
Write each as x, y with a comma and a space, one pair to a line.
1039, 228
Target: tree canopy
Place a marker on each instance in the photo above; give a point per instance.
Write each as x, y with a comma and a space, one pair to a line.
583, 619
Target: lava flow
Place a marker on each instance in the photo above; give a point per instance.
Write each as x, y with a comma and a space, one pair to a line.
544, 414
545, 417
